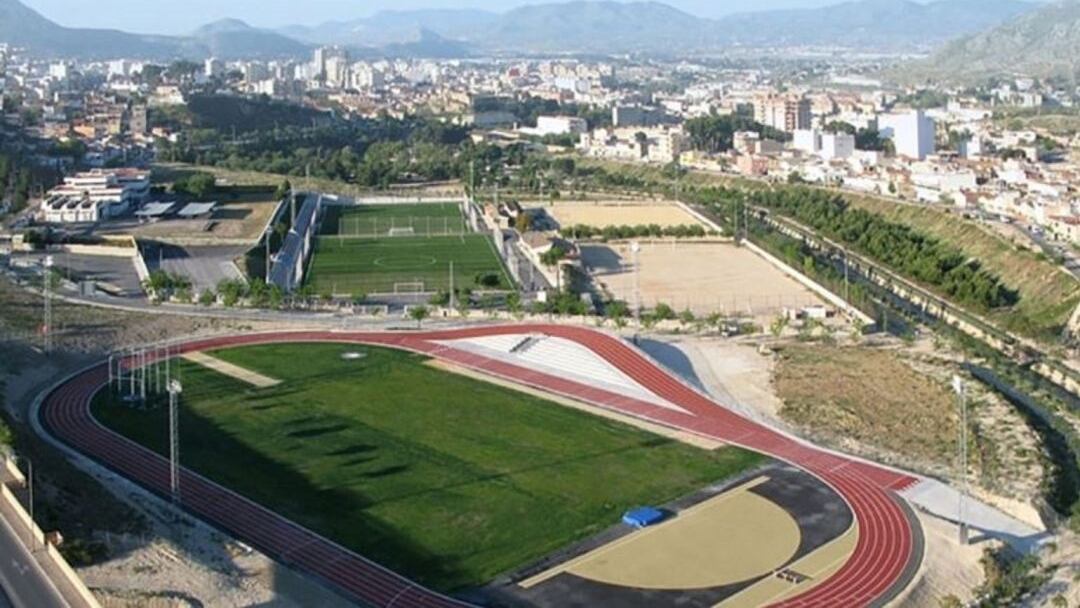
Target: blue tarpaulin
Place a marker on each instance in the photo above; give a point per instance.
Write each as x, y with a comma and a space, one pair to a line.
643, 516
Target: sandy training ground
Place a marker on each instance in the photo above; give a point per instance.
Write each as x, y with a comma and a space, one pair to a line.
704, 277
730, 538
619, 213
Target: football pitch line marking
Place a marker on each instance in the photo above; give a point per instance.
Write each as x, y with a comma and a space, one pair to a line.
233, 371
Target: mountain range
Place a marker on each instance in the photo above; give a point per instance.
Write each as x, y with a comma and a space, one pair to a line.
567, 27
1044, 43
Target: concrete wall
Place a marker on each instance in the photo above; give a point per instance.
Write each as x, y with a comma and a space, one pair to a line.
51, 553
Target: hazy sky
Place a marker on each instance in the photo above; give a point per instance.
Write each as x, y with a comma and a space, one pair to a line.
181, 16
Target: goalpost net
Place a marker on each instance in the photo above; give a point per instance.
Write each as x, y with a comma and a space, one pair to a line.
409, 287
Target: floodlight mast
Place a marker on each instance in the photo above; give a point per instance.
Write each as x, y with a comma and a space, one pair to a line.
174, 441
961, 396
46, 328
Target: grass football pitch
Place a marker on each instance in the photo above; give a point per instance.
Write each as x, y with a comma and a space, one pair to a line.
376, 221
442, 477
351, 265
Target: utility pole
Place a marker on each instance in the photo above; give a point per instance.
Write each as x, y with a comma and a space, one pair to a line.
48, 321
174, 441
451, 284
847, 293
635, 248
30, 493
961, 396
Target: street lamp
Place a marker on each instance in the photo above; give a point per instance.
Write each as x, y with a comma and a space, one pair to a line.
961, 396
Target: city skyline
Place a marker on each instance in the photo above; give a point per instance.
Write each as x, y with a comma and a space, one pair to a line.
176, 18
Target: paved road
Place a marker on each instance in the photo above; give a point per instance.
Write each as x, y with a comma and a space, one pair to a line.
23, 580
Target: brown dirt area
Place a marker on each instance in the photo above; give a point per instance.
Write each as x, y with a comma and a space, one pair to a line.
893, 404
704, 277
619, 213
239, 216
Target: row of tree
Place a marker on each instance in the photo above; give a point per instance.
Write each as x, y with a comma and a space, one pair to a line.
908, 251
609, 233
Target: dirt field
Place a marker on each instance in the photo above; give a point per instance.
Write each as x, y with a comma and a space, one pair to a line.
704, 277
619, 213
237, 219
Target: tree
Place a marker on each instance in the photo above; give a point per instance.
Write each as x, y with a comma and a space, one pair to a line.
551, 259
778, 325
617, 311
207, 297
283, 190
418, 314
198, 185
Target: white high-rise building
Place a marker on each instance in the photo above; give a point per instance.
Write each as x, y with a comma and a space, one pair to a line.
837, 146
807, 140
213, 68
912, 133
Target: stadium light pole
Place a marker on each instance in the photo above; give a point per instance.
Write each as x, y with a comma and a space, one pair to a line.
174, 441
635, 248
47, 321
961, 396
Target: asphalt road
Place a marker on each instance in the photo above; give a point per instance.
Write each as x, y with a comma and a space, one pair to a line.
22, 579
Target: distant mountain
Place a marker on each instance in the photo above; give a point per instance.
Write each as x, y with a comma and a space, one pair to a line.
877, 24
577, 26
615, 27
391, 27
597, 27
25, 27
235, 39
1043, 43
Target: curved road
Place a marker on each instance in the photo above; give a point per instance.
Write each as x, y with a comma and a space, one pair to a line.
876, 570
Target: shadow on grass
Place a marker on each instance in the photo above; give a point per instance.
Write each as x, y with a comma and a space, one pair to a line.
318, 432
335, 513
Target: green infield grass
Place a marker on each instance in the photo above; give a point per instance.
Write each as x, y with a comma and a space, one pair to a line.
396, 264
376, 221
445, 478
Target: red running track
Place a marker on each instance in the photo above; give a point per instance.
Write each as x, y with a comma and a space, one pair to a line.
878, 562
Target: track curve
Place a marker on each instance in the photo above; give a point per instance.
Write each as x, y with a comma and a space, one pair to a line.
885, 547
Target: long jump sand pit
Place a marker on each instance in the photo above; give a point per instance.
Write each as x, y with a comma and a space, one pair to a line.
704, 277
233, 371
599, 214
733, 537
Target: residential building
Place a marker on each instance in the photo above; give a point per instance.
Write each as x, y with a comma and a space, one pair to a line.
912, 133
560, 125
784, 112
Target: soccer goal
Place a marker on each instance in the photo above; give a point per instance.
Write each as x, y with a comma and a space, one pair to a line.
406, 231
409, 287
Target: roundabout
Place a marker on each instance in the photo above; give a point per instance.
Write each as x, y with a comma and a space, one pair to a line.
886, 553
